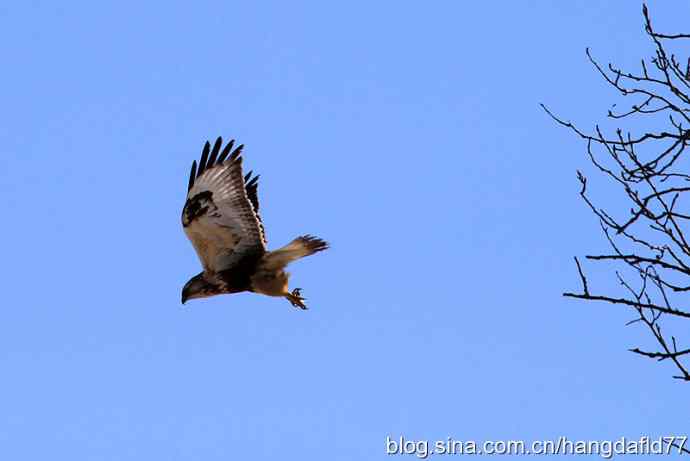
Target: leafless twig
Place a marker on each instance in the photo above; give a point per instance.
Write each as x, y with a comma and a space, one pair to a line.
651, 172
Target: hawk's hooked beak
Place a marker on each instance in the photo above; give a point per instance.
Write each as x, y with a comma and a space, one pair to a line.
184, 297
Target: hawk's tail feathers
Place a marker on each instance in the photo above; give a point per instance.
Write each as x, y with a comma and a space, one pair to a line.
308, 244
300, 247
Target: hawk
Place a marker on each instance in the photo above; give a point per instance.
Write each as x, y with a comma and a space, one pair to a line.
221, 219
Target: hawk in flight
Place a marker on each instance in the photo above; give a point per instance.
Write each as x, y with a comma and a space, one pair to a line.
221, 218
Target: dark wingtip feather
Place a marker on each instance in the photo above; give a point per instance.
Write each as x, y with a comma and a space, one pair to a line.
251, 182
226, 151
251, 186
204, 157
210, 158
192, 176
236, 153
214, 152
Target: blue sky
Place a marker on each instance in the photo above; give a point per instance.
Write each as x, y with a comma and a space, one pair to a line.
406, 134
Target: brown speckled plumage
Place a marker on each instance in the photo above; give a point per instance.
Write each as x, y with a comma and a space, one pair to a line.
221, 219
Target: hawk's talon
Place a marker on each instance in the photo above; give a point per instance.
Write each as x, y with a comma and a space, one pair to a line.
296, 298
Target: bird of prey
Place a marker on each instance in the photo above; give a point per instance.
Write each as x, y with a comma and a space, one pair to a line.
221, 218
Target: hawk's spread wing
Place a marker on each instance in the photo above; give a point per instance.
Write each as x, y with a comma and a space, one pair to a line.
221, 215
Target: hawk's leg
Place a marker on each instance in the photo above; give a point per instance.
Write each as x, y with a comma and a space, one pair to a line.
296, 298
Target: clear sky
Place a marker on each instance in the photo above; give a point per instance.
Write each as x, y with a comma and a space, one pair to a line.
406, 134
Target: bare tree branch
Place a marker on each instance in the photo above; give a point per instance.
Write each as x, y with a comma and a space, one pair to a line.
650, 170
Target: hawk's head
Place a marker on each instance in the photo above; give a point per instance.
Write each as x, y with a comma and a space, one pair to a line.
199, 287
